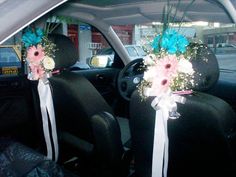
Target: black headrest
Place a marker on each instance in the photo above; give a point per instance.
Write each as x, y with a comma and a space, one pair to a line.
206, 69
66, 54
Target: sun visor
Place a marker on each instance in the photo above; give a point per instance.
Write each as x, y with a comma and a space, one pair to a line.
15, 15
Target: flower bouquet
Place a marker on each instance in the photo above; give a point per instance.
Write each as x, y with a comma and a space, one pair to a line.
39, 55
168, 67
168, 75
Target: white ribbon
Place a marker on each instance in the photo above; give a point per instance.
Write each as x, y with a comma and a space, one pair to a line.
47, 111
166, 107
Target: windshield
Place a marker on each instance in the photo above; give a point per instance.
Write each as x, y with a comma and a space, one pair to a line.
220, 38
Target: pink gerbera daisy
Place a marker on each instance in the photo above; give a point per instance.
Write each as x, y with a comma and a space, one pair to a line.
159, 86
168, 65
37, 71
35, 54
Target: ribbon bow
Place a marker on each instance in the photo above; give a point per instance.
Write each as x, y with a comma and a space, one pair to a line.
48, 117
166, 107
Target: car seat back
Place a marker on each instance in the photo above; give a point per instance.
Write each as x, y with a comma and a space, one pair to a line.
83, 114
198, 139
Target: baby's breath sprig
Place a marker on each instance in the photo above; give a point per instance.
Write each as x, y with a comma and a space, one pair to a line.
141, 88
49, 47
182, 82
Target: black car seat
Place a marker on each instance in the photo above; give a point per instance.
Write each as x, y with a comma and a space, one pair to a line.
86, 124
199, 143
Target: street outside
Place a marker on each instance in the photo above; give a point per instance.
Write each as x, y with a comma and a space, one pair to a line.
227, 65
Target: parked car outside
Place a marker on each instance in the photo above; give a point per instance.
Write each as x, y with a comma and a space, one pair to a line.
10, 62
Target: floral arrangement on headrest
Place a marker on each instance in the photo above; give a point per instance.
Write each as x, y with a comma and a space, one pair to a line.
168, 66
39, 53
168, 75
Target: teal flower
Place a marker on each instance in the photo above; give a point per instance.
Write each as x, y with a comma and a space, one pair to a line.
156, 42
171, 42
31, 38
168, 41
182, 44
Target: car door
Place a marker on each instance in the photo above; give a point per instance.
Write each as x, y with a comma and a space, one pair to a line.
98, 62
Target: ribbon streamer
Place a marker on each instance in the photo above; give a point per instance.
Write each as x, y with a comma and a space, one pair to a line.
47, 111
166, 108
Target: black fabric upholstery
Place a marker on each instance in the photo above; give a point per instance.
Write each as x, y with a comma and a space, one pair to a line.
207, 70
107, 136
17, 160
17, 116
108, 145
198, 139
76, 101
93, 135
64, 56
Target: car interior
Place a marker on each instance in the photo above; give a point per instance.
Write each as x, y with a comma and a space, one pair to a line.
104, 127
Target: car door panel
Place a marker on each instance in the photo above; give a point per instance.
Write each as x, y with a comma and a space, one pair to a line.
104, 80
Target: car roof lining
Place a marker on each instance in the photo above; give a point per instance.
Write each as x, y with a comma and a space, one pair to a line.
150, 11
107, 12
16, 23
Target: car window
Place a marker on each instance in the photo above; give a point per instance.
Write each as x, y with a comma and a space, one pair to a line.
10, 62
89, 42
105, 51
8, 56
132, 51
225, 49
221, 38
93, 49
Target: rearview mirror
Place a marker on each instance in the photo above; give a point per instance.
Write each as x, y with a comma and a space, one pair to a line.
100, 61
